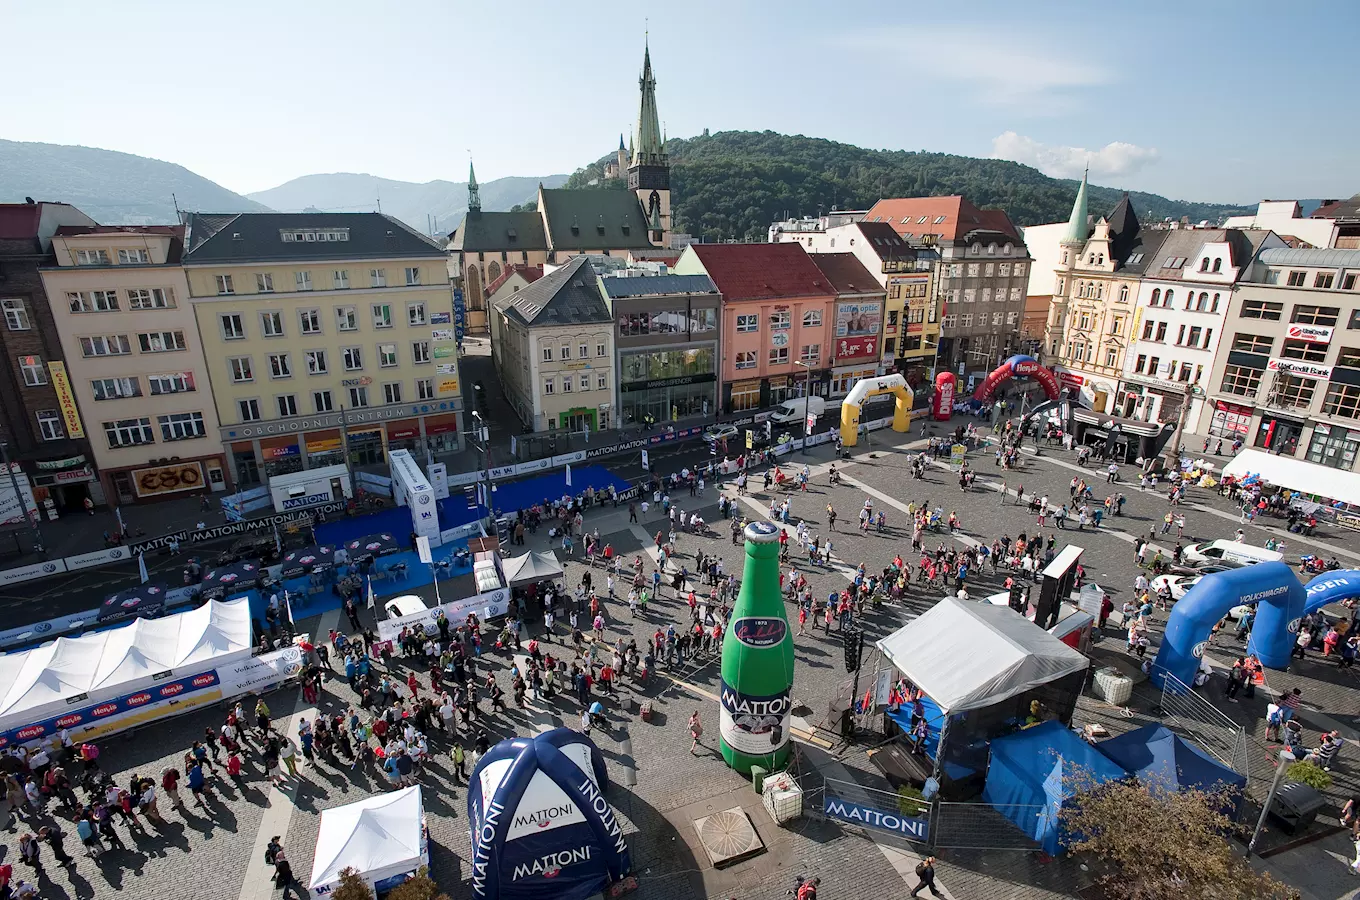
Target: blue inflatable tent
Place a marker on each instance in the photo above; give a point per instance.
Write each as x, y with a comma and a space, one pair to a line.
1164, 761
541, 826
1027, 780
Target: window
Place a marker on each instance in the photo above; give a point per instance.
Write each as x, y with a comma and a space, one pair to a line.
1291, 392
1111, 355
1305, 350
1241, 380
1147, 329
1156, 297
171, 383
420, 352
358, 397
585, 382
387, 356
812, 318
1154, 366
1349, 356
415, 313
1315, 315
779, 319
377, 278
249, 410
566, 384
1204, 264
92, 257
779, 356
115, 388
564, 352
1261, 309
1168, 297
392, 392
966, 320
129, 432
1218, 264
34, 372
599, 351
1334, 447
302, 281
1342, 400
279, 366
353, 359
150, 298
1323, 280
316, 362
1348, 281
969, 295
94, 301
748, 322
310, 321
547, 353
811, 354
184, 426
271, 324
1116, 325
239, 366
287, 404
601, 381
1140, 365
160, 341
746, 359
382, 315
105, 345
346, 319
1161, 331
322, 402
424, 388
1012, 316
16, 315
340, 279
264, 283
1180, 336
548, 385
582, 351
1186, 369
1296, 279
233, 328
224, 285
412, 275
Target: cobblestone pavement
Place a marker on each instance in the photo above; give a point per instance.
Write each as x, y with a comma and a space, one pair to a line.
673, 786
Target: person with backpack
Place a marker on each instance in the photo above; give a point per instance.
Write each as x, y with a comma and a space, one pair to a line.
925, 871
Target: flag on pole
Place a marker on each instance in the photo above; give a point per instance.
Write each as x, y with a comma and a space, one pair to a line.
514, 447
568, 474
372, 599
141, 567
278, 542
288, 606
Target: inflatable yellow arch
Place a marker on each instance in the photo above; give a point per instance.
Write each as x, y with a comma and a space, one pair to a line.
853, 404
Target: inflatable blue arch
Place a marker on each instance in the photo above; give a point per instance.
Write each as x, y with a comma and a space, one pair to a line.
1281, 601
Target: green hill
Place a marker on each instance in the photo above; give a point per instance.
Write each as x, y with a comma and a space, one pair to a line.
734, 184
111, 187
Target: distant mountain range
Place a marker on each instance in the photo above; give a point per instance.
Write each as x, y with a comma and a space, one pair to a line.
434, 205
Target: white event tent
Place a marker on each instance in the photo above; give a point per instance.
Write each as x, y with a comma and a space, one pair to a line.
382, 838
1296, 475
39, 683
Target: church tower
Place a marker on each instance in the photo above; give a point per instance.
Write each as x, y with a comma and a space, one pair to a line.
649, 171
474, 192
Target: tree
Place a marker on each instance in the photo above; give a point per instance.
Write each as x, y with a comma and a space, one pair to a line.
420, 887
351, 887
1160, 844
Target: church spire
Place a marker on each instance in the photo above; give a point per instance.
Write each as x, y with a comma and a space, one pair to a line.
648, 149
1076, 225
474, 193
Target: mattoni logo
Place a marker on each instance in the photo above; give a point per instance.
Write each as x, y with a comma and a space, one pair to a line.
542, 818
550, 865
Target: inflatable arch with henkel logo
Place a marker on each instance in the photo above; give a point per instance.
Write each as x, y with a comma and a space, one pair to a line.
541, 826
1018, 366
853, 404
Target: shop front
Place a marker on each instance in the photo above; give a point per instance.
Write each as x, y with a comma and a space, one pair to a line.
405, 435
740, 396
324, 448
441, 433
281, 456
1279, 434
667, 384
578, 419
166, 480
1334, 446
1230, 421
61, 485
366, 447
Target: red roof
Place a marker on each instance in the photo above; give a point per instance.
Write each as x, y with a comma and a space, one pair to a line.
762, 271
960, 217
846, 273
530, 273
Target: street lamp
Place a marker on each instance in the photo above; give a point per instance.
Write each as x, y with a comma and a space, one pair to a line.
481, 435
807, 402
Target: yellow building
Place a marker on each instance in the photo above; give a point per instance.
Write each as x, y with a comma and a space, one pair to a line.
326, 334
134, 362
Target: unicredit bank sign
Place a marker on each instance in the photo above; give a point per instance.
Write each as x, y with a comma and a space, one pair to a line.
1299, 368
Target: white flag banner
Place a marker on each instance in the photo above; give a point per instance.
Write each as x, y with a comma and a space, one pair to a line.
568, 474
372, 598
141, 567
645, 466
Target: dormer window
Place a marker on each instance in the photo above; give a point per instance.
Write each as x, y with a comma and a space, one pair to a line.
1204, 264
1218, 265
599, 229
626, 228
512, 234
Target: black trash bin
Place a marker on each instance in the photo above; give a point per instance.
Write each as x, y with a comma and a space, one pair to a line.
1296, 806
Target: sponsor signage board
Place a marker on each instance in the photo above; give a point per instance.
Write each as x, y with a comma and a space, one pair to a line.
1299, 367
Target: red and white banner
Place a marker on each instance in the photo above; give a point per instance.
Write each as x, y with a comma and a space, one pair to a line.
1299, 368
1313, 334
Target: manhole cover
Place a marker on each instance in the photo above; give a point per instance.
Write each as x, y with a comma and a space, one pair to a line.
728, 837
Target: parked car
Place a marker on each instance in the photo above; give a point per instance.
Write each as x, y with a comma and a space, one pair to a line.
720, 432
252, 546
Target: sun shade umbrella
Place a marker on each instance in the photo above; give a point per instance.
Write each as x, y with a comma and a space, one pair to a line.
143, 601
237, 576
373, 545
309, 559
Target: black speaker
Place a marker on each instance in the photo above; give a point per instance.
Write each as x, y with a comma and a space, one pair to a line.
852, 640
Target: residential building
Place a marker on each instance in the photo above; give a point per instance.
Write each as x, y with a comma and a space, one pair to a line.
667, 345
1096, 283
1177, 328
1042, 241
40, 421
553, 345
798, 230
567, 222
135, 361
329, 339
1345, 215
777, 321
983, 270
1285, 218
1288, 379
855, 350
513, 278
911, 321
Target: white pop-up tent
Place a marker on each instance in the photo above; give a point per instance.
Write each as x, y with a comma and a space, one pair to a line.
1005, 653
1296, 475
538, 565
382, 838
46, 680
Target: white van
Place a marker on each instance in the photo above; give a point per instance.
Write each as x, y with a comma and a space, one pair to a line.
791, 411
405, 605
1232, 552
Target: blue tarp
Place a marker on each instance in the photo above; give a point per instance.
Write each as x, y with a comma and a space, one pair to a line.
1163, 760
394, 521
1027, 778
512, 496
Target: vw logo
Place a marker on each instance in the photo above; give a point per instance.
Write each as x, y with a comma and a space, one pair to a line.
424, 499
1198, 651
49, 568
42, 627
1293, 626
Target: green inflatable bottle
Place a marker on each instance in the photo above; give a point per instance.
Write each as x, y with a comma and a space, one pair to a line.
757, 662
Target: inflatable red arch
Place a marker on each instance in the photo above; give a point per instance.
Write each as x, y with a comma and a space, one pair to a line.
1018, 366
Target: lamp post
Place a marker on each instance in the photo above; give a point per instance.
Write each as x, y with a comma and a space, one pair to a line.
481, 436
807, 402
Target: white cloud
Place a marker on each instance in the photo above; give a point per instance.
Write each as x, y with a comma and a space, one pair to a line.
1115, 158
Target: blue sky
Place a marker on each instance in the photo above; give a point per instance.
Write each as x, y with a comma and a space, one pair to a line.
1211, 101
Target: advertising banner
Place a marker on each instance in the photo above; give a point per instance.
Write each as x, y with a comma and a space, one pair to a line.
459, 313
66, 399
10, 510
260, 672
1314, 334
487, 606
98, 558
28, 573
916, 828
169, 479
1299, 368
439, 480
849, 349
859, 319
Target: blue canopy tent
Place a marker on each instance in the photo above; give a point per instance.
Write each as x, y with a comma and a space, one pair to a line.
145, 601
1028, 779
308, 560
1163, 760
232, 578
541, 826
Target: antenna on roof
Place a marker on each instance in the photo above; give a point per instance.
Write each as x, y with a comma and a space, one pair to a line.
175, 200
379, 199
